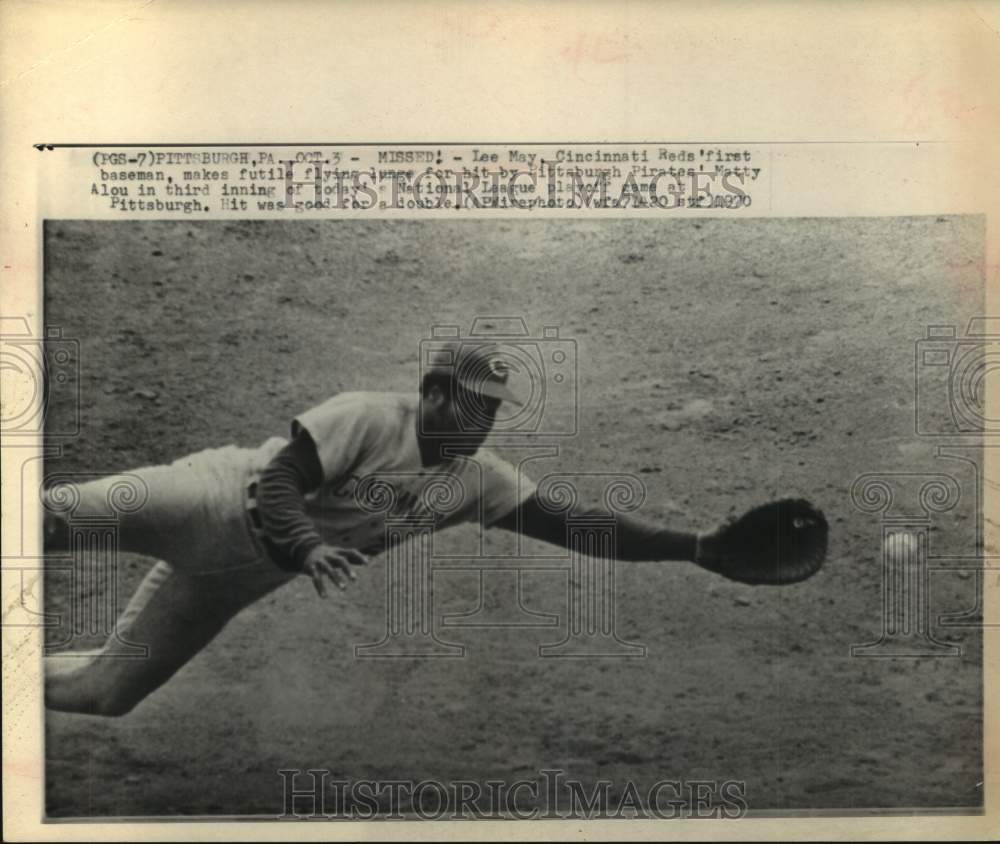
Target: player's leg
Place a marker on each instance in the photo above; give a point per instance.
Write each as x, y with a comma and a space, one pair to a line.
174, 615
186, 512
156, 508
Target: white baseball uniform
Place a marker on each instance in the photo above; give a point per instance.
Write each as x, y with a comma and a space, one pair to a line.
211, 562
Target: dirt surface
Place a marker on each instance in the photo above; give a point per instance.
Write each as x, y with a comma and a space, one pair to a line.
722, 362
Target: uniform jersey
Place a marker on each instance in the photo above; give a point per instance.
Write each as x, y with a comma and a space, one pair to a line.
194, 517
372, 470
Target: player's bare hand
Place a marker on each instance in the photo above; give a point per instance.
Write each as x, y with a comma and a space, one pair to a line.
334, 564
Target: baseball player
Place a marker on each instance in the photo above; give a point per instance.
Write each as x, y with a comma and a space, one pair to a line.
230, 525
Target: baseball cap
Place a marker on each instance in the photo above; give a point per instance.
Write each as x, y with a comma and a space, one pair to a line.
477, 367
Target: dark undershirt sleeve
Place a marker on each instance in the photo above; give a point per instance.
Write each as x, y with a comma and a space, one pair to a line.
292, 473
637, 540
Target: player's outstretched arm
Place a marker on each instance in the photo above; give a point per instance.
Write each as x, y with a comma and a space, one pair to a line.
636, 539
780, 542
295, 543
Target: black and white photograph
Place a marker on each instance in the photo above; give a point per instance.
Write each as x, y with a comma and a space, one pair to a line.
515, 518
499, 421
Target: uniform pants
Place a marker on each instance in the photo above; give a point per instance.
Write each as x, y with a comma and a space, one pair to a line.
209, 568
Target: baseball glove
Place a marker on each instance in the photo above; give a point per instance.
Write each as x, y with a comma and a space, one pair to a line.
780, 542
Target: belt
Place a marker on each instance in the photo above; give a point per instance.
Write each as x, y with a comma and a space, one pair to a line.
257, 528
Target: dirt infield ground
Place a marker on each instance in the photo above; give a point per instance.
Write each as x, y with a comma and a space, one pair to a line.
722, 362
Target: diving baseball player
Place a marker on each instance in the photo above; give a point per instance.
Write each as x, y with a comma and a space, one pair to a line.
230, 525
